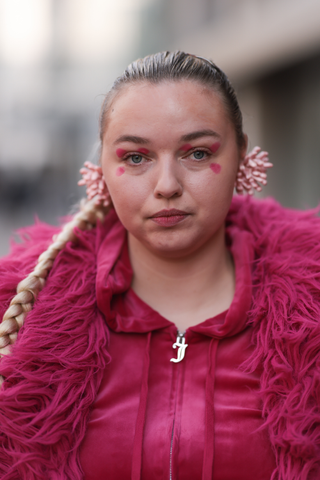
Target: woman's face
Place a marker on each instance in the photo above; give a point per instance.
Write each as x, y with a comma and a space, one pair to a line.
170, 158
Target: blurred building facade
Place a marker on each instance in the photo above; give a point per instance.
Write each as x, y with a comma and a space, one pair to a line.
58, 58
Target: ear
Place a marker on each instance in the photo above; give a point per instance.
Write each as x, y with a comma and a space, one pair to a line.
243, 148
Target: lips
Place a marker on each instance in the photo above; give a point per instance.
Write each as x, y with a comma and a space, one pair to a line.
169, 218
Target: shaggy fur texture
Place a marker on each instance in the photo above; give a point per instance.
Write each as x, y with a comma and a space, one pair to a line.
57, 363
56, 367
286, 320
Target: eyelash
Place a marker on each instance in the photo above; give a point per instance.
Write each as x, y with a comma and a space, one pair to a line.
199, 150
129, 155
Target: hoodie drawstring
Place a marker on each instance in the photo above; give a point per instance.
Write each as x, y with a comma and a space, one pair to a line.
208, 456
141, 417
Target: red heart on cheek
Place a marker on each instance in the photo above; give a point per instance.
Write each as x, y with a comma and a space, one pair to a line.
215, 167
120, 171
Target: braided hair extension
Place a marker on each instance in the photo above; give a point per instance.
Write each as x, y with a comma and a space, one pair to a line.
29, 288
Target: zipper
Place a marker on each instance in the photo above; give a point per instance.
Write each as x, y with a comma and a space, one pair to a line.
181, 344
171, 446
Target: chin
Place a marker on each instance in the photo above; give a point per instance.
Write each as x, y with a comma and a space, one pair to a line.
171, 246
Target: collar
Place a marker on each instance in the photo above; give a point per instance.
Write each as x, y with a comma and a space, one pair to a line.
124, 311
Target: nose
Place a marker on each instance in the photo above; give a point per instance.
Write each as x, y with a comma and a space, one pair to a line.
168, 183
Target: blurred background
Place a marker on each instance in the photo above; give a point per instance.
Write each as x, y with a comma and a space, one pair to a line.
58, 58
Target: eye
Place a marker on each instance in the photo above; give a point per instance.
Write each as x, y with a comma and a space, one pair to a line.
136, 158
199, 154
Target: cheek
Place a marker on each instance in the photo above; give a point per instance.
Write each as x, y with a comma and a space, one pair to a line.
128, 193
212, 185
215, 167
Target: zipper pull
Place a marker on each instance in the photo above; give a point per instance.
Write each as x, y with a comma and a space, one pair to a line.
182, 345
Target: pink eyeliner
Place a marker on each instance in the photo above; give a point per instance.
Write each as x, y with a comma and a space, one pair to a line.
186, 147
120, 152
120, 171
215, 167
215, 147
145, 151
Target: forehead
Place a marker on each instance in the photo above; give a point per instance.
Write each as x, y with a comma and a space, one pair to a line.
174, 106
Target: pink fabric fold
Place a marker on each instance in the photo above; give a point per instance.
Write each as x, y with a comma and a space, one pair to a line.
141, 417
208, 456
56, 368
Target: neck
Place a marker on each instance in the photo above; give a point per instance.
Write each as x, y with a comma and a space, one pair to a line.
184, 290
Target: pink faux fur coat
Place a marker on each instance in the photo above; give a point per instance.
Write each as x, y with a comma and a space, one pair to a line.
57, 363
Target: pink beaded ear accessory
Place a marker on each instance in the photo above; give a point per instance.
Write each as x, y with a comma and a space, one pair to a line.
96, 185
252, 172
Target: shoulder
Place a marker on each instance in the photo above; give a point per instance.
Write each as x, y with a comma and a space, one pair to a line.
275, 228
29, 242
32, 241
35, 239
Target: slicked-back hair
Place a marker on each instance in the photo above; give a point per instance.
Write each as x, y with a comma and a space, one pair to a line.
177, 66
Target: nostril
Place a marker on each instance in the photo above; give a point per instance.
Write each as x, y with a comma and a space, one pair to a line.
167, 190
168, 182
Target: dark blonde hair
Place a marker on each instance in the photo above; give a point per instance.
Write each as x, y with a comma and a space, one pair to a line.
176, 66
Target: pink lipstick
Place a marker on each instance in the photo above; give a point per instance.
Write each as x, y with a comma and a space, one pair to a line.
169, 218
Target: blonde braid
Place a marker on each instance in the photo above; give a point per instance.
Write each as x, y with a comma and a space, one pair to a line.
29, 288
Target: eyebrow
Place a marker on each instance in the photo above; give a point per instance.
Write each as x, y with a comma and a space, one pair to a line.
132, 139
185, 138
199, 134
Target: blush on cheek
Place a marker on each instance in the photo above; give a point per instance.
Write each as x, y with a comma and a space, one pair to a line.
120, 152
186, 147
215, 147
215, 167
120, 171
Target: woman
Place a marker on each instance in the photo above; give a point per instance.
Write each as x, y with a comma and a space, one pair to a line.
179, 338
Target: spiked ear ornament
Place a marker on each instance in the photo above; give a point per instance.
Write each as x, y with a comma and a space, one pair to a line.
96, 185
252, 172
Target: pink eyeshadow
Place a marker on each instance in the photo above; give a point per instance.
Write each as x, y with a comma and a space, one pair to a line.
120, 171
214, 147
120, 152
143, 150
215, 167
186, 147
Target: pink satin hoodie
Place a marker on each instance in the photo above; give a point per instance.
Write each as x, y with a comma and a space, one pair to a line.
197, 419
